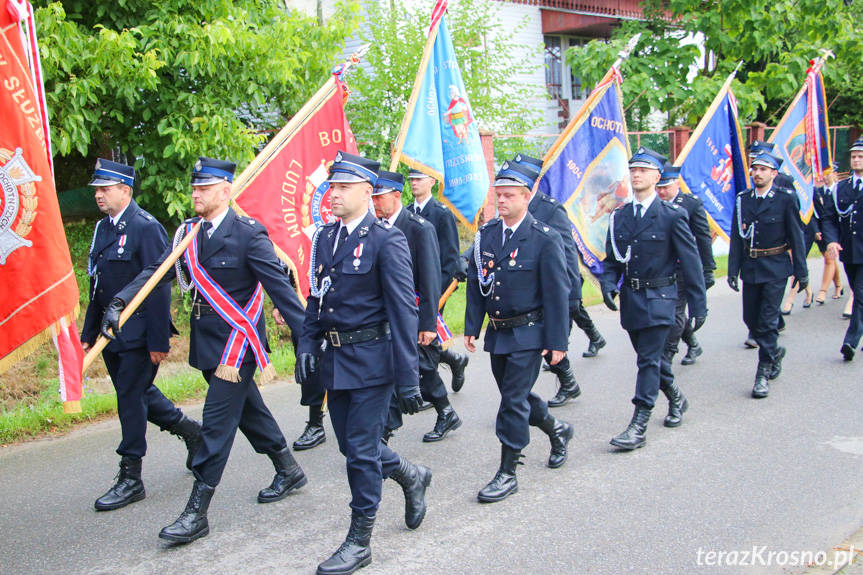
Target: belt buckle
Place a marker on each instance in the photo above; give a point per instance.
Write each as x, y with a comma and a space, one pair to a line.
753, 253
493, 323
635, 283
196, 309
334, 339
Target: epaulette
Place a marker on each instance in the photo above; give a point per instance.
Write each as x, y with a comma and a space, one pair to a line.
441, 205
248, 221
490, 223
190, 221
787, 191
416, 218
541, 227
671, 205
381, 224
145, 215
549, 199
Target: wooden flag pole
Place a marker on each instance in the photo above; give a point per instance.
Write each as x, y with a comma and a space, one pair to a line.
449, 291
142, 294
418, 83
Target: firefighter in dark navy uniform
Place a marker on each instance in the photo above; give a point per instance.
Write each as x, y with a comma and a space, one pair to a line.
125, 242
765, 225
425, 261
230, 263
668, 189
646, 239
518, 277
363, 302
444, 222
842, 226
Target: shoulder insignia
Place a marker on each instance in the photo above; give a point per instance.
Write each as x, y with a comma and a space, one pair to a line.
441, 205
190, 221
549, 199
787, 191
145, 215
671, 205
541, 227
364, 230
246, 221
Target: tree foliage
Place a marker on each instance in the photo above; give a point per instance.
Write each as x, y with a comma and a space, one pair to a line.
775, 39
490, 63
166, 81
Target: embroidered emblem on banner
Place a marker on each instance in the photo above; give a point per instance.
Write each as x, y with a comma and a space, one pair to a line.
19, 197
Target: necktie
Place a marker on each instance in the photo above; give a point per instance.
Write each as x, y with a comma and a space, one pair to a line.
343, 236
859, 185
207, 229
507, 234
638, 211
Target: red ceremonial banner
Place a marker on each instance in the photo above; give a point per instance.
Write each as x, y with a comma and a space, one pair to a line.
38, 283
285, 189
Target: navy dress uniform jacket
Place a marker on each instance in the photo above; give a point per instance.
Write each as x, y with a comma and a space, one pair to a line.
846, 231
237, 256
425, 260
444, 224
145, 240
699, 226
547, 210
533, 279
777, 223
354, 302
659, 240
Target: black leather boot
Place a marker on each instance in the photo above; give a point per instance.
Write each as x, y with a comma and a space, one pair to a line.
762, 375
289, 476
560, 434
457, 363
192, 523
692, 353
128, 489
635, 435
314, 433
414, 479
189, 431
447, 420
568, 388
504, 483
356, 552
597, 342
677, 405
776, 367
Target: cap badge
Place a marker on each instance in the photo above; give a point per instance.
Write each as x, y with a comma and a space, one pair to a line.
518, 157
338, 156
505, 166
198, 166
640, 151
98, 164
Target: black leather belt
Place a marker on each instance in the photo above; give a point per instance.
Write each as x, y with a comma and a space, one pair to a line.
338, 339
755, 253
199, 309
516, 321
639, 284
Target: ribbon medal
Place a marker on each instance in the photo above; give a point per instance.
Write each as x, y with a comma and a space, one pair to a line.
121, 243
512, 258
358, 252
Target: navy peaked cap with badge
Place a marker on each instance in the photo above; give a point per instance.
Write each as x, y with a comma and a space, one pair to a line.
512, 174
389, 182
647, 158
108, 173
857, 146
352, 169
764, 158
759, 146
208, 171
417, 175
528, 162
669, 175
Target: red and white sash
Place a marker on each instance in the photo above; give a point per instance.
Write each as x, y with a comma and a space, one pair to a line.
444, 335
243, 320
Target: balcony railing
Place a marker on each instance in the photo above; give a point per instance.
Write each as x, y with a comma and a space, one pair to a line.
610, 8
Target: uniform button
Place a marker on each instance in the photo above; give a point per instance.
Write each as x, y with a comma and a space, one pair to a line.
223, 263
497, 313
98, 273
497, 283
635, 241
332, 290
330, 310
496, 298
100, 256
636, 257
498, 268
332, 270
100, 291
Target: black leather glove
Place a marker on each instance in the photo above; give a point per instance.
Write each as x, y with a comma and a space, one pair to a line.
305, 367
732, 283
709, 280
697, 322
409, 399
804, 282
111, 319
460, 274
608, 297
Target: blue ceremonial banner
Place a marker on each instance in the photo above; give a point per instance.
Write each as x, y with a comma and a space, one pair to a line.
713, 162
587, 169
802, 139
442, 139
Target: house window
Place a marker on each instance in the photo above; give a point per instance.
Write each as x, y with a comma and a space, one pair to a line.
575, 82
553, 70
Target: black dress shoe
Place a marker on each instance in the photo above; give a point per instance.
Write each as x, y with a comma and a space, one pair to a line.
356, 552
425, 405
847, 352
635, 435
128, 489
192, 523
762, 386
312, 436
751, 343
447, 420
504, 483
691, 354
413, 479
289, 476
776, 367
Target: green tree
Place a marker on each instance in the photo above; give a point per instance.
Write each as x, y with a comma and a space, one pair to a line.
166, 81
489, 61
775, 39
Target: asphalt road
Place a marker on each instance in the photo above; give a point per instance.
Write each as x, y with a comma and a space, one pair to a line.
783, 474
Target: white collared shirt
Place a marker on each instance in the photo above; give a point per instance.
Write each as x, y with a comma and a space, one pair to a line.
116, 219
854, 180
392, 219
216, 221
350, 227
645, 205
514, 227
421, 206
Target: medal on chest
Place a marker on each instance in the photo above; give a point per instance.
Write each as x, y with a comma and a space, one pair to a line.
358, 252
121, 243
512, 257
